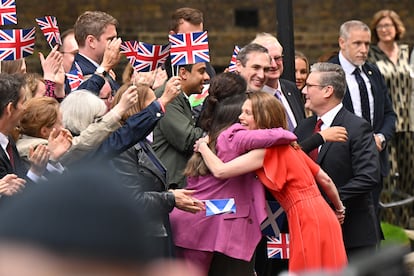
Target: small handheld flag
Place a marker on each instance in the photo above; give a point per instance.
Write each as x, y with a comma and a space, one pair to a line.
50, 29
17, 43
145, 57
189, 48
232, 66
220, 206
8, 12
278, 247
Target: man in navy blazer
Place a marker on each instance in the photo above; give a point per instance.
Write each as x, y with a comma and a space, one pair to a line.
354, 40
353, 165
99, 50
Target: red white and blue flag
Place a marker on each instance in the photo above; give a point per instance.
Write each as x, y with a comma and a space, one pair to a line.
278, 247
75, 77
232, 66
8, 12
189, 48
50, 29
17, 43
145, 57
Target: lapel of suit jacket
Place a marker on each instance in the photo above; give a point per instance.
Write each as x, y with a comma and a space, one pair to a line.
374, 88
336, 122
298, 111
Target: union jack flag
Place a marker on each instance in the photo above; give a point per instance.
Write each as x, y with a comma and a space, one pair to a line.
278, 247
8, 12
189, 48
50, 29
75, 77
145, 57
16, 43
232, 66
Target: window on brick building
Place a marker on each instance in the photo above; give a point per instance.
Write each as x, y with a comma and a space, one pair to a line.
247, 18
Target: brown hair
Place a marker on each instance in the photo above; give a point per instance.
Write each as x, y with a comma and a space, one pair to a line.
92, 23
399, 26
267, 111
12, 66
193, 16
39, 112
227, 94
143, 93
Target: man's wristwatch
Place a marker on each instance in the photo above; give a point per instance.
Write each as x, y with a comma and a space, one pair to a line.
101, 71
382, 139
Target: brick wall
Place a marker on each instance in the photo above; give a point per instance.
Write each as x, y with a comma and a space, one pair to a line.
316, 22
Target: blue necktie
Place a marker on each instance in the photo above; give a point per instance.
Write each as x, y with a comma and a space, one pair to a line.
363, 92
278, 95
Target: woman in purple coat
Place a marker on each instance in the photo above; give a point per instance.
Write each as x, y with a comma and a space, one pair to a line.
224, 244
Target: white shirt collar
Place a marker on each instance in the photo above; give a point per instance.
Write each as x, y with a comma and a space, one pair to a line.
4, 140
329, 116
348, 67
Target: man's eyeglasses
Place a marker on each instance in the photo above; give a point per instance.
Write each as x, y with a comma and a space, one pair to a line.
278, 58
308, 85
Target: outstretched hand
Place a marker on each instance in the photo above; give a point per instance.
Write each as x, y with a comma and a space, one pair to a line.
334, 134
59, 142
112, 54
38, 158
172, 90
11, 184
186, 202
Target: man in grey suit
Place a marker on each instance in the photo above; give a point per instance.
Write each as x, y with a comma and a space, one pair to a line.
354, 164
176, 132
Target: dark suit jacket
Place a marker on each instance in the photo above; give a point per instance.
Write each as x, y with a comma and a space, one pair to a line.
294, 98
384, 115
354, 168
95, 82
5, 165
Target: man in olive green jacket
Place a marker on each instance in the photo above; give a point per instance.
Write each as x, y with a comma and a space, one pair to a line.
176, 132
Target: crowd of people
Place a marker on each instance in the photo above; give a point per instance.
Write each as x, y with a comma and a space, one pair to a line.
320, 147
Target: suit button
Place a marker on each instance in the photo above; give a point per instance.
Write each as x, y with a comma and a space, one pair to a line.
250, 221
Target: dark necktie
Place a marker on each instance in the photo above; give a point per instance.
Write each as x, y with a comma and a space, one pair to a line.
363, 91
278, 95
314, 153
9, 150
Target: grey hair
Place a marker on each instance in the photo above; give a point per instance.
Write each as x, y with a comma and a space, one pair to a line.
332, 75
80, 109
266, 38
243, 55
352, 24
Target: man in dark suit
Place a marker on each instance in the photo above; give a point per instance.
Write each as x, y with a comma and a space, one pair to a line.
12, 98
289, 94
353, 165
354, 40
99, 50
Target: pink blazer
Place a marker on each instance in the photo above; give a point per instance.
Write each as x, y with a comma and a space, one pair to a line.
235, 235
